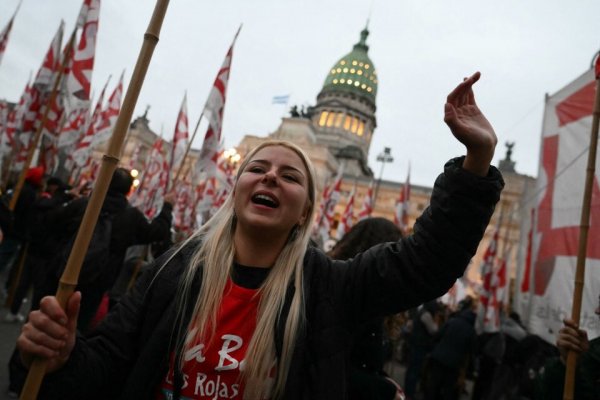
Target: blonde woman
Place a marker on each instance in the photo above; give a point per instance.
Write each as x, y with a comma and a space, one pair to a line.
246, 309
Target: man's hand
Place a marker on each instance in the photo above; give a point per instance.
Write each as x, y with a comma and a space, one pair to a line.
571, 338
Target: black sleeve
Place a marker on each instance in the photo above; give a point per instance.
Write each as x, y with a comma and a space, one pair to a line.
392, 277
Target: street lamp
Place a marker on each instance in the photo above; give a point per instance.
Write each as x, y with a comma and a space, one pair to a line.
384, 157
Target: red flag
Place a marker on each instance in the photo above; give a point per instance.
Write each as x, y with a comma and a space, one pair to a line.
488, 313
79, 79
367, 207
331, 196
83, 147
347, 220
109, 115
180, 137
213, 111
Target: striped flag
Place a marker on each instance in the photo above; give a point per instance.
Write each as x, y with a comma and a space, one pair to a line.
213, 111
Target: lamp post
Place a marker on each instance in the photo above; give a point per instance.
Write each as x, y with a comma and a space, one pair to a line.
383, 157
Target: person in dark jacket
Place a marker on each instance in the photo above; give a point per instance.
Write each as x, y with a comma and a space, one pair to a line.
450, 355
246, 309
367, 381
16, 235
129, 227
421, 342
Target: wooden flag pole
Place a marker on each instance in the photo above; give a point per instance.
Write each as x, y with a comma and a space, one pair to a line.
38, 133
583, 236
68, 280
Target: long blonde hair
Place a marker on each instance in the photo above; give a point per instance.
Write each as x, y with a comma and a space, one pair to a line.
215, 258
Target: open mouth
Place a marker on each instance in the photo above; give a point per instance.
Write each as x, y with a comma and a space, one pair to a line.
265, 200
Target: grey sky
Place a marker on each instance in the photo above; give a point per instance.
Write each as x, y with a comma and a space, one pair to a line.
420, 48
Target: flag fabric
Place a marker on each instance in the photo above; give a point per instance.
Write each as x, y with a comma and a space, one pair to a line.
488, 319
281, 99
331, 196
5, 145
83, 147
402, 205
562, 172
109, 115
151, 193
78, 82
4, 35
180, 138
213, 111
347, 220
367, 206
182, 212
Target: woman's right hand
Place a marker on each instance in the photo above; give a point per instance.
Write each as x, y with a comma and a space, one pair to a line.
50, 332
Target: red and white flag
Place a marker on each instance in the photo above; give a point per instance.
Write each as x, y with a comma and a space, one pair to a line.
4, 35
78, 82
347, 220
180, 137
5, 146
488, 319
109, 116
367, 206
83, 147
213, 111
155, 181
560, 184
331, 196
182, 212
402, 206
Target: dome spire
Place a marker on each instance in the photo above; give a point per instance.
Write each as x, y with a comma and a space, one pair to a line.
362, 43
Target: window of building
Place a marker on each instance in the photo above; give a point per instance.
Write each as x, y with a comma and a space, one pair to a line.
323, 118
338, 119
361, 128
330, 119
347, 122
354, 124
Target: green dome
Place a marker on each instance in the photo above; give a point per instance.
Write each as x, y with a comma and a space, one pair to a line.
354, 72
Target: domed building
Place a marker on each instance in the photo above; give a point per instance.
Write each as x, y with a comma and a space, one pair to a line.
344, 116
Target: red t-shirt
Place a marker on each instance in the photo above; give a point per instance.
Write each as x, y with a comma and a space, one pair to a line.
212, 370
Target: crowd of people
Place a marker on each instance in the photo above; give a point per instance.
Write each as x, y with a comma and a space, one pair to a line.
249, 308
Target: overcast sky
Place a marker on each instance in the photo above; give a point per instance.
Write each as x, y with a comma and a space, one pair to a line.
420, 48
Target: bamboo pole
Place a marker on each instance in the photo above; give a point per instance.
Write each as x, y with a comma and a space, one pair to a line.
38, 133
569, 388
68, 280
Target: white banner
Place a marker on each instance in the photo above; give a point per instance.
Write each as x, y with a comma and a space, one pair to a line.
560, 186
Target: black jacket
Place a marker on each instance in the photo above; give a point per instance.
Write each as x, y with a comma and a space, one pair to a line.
129, 227
127, 355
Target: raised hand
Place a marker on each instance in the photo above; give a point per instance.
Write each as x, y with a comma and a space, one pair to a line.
470, 126
50, 332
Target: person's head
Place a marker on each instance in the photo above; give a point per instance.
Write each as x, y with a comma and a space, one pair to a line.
54, 184
275, 191
121, 181
35, 175
273, 199
364, 235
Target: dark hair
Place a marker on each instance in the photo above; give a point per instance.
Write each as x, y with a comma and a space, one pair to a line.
121, 181
364, 235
